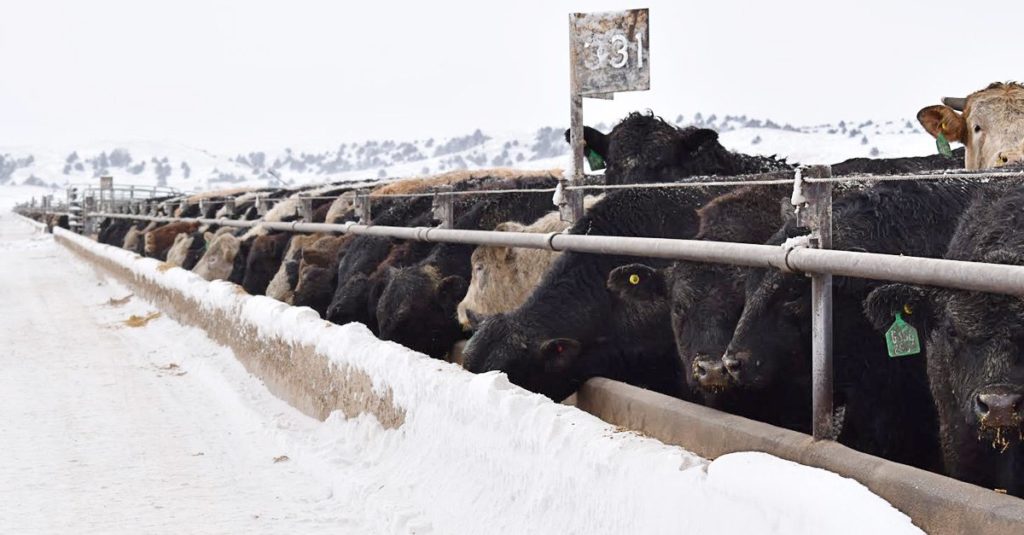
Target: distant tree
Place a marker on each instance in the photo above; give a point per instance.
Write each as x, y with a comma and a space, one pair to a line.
874, 152
756, 140
382, 173
864, 140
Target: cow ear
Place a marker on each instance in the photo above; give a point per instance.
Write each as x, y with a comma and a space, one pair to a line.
912, 302
636, 282
452, 290
594, 140
943, 120
560, 354
696, 138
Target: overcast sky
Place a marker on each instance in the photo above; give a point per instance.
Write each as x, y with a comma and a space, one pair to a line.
255, 73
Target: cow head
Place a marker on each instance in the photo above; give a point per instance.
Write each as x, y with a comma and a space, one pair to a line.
218, 262
990, 123
549, 366
417, 309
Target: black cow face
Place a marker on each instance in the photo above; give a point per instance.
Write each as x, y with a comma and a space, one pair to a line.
977, 344
315, 288
548, 367
417, 310
349, 303
771, 341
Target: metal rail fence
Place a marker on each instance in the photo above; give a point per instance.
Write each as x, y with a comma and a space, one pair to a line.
812, 198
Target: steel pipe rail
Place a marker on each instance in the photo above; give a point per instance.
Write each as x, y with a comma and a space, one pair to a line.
975, 276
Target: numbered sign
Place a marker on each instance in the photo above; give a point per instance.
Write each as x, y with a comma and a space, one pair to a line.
611, 52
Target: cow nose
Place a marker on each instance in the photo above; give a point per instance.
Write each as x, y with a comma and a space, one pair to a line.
1009, 156
710, 372
998, 408
733, 362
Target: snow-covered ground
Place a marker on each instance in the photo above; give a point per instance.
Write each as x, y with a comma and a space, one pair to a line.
190, 168
109, 425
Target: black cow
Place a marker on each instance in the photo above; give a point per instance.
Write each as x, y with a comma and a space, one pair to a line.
263, 261
705, 302
417, 305
644, 148
887, 405
571, 328
973, 344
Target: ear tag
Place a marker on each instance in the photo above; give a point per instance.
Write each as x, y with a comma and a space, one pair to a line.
901, 338
595, 160
943, 145
634, 279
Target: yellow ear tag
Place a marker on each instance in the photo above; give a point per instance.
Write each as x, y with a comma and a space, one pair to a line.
634, 279
942, 126
907, 309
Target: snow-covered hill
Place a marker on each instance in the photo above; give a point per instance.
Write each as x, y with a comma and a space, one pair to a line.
194, 169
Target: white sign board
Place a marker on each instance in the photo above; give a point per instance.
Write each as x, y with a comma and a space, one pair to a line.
611, 52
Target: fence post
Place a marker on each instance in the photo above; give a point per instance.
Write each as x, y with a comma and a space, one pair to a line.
229, 208
261, 206
306, 209
571, 207
444, 206
819, 219
362, 209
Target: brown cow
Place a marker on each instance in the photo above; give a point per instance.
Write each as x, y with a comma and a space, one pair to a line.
503, 277
219, 259
159, 240
991, 125
282, 286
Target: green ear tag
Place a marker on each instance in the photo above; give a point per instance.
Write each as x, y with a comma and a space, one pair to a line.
901, 338
943, 144
595, 160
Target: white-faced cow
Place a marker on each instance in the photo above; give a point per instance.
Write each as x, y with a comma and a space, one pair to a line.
990, 123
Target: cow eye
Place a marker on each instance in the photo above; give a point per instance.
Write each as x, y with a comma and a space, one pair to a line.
977, 128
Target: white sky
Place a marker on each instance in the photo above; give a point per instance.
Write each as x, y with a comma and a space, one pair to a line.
247, 74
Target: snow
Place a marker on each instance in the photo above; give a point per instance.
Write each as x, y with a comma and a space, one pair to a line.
148, 163
107, 428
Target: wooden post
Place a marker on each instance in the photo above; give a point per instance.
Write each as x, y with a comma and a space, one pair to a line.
306, 209
444, 206
363, 209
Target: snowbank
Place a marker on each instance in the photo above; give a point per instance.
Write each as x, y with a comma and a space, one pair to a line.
484, 456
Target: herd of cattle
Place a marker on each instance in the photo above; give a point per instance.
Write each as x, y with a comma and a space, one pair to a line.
733, 338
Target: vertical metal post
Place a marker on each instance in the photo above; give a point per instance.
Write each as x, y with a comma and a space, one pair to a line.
444, 206
819, 219
261, 206
229, 207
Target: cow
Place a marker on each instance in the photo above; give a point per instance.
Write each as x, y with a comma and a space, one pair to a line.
282, 286
503, 277
187, 249
705, 302
160, 239
316, 272
885, 403
644, 148
135, 238
571, 328
218, 262
417, 305
972, 344
263, 261
989, 122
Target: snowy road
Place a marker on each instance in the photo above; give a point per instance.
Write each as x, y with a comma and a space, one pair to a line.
107, 428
